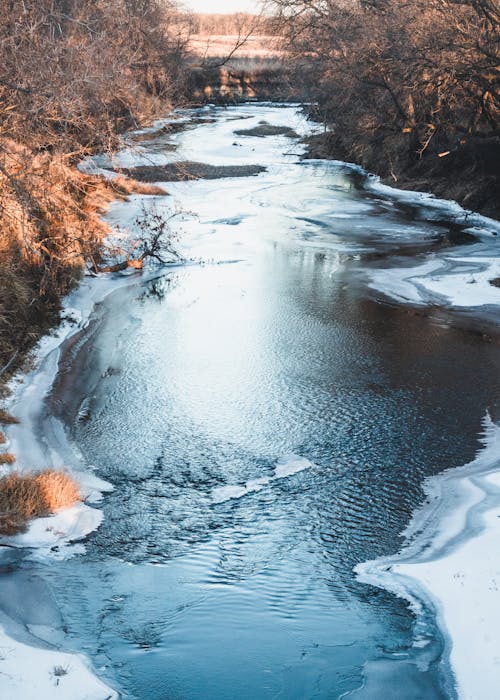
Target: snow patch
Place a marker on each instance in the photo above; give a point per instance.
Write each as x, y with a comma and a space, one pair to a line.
450, 563
37, 674
53, 536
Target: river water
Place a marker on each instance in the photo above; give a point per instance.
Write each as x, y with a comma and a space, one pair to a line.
266, 421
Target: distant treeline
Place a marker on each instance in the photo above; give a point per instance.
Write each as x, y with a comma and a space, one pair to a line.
230, 24
410, 87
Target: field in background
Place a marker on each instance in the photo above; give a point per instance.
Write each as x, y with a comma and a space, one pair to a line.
259, 51
239, 40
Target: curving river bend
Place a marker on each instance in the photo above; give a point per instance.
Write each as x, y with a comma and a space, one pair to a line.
266, 421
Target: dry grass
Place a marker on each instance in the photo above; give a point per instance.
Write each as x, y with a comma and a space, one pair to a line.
7, 458
51, 226
6, 418
3, 439
27, 496
126, 185
221, 45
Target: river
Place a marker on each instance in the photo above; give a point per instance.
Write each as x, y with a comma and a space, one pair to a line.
266, 418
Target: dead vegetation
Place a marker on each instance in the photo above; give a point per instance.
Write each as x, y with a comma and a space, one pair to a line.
73, 75
410, 89
27, 496
220, 39
157, 241
7, 419
52, 225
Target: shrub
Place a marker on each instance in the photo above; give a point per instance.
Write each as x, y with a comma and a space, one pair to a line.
27, 496
7, 418
7, 458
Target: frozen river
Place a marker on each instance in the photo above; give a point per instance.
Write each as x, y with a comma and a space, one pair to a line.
266, 415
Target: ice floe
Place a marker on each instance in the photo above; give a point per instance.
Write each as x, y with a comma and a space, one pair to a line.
286, 466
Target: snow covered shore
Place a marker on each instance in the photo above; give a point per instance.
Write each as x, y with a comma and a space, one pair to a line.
30, 673
458, 277
39, 441
443, 565
452, 563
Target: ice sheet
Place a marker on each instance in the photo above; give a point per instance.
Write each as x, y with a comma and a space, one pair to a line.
452, 564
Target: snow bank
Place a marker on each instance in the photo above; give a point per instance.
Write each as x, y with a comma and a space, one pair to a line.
29, 672
451, 563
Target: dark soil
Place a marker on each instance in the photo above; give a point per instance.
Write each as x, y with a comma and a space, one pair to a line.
264, 129
189, 170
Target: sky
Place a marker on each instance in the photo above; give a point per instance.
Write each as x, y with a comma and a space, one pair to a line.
222, 5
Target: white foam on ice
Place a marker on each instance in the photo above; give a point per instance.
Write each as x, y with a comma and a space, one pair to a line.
286, 466
451, 565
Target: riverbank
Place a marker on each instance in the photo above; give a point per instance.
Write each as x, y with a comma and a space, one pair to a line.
263, 203
52, 116
47, 244
470, 175
33, 633
28, 633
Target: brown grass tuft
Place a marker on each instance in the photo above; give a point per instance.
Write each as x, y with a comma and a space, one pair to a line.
7, 458
127, 185
27, 496
3, 439
7, 418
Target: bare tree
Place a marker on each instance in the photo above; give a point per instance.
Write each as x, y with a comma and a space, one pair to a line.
401, 82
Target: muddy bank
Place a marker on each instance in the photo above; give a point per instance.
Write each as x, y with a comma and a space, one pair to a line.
266, 129
170, 129
190, 170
